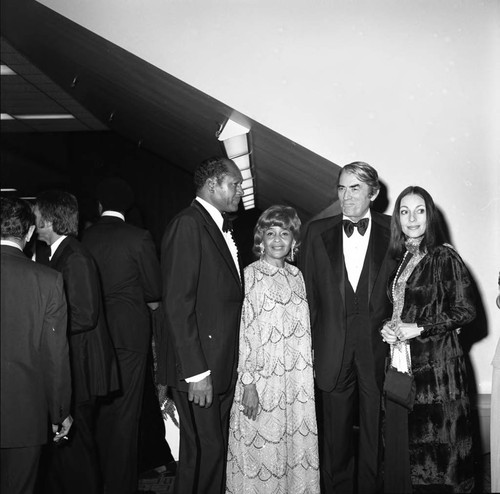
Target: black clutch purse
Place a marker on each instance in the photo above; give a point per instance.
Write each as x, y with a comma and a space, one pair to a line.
399, 387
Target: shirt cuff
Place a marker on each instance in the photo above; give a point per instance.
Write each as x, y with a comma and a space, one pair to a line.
198, 377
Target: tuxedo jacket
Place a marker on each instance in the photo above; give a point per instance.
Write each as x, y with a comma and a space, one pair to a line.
35, 377
202, 294
130, 276
93, 363
322, 262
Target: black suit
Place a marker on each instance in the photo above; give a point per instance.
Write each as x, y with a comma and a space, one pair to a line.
349, 354
130, 275
202, 296
94, 369
35, 377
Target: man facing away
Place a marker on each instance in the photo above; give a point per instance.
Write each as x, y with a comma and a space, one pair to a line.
346, 271
131, 280
35, 377
202, 296
93, 364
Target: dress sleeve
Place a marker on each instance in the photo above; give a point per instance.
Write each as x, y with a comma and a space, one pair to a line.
250, 352
456, 293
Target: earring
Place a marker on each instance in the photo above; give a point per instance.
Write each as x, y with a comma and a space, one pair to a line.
262, 250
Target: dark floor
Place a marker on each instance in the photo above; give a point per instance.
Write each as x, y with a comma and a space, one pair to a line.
164, 484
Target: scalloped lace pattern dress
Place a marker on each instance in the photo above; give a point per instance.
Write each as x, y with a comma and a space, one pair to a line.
278, 452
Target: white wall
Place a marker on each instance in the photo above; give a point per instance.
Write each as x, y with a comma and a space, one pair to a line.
409, 86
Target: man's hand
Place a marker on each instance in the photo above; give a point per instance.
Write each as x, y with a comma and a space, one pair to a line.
201, 393
250, 401
61, 431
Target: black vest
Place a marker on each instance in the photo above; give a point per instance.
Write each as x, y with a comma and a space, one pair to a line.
356, 303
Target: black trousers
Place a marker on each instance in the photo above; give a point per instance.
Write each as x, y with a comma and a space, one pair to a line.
203, 444
118, 426
18, 469
77, 456
356, 386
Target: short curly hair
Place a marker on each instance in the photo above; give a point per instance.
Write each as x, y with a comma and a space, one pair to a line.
283, 216
16, 216
217, 167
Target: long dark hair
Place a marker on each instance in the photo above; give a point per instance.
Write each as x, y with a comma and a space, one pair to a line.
434, 232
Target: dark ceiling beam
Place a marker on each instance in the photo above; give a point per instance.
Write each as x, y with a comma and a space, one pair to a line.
159, 112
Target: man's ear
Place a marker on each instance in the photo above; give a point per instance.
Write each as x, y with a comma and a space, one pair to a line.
99, 207
31, 229
374, 195
211, 182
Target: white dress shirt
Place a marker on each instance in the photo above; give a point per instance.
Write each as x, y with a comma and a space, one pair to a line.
115, 214
219, 220
355, 248
55, 245
11, 243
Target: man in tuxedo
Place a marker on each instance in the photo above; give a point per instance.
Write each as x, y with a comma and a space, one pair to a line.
35, 377
93, 364
131, 280
202, 294
346, 269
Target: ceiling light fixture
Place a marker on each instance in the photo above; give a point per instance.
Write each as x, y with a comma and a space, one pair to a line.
234, 137
55, 116
6, 70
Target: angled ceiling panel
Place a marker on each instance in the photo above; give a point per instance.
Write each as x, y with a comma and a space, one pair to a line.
105, 86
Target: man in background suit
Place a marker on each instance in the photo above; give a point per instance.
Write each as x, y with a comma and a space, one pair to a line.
202, 296
35, 377
346, 270
93, 364
131, 280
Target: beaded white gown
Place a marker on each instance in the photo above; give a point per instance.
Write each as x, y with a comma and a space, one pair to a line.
278, 452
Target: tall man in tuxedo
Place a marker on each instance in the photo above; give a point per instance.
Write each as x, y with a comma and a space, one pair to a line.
35, 376
131, 280
202, 294
93, 364
346, 271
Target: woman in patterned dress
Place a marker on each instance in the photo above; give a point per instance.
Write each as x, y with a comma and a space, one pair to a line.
428, 449
273, 443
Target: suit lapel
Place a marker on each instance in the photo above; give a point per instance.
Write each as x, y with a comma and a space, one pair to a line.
332, 240
218, 239
377, 249
58, 253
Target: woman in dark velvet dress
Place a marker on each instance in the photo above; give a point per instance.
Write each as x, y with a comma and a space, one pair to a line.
430, 448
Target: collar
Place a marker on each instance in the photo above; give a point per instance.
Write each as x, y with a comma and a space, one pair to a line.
55, 245
367, 215
11, 243
212, 211
115, 214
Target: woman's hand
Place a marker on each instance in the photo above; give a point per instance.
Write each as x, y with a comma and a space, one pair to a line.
250, 401
407, 331
388, 333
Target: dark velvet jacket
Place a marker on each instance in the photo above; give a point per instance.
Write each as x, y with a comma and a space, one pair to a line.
440, 297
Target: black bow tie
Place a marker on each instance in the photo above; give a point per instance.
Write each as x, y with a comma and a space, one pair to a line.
227, 224
361, 225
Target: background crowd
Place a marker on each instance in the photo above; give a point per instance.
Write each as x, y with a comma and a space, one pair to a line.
279, 370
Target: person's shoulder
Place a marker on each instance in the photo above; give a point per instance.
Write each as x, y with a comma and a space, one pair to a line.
291, 268
381, 219
322, 224
44, 273
445, 251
